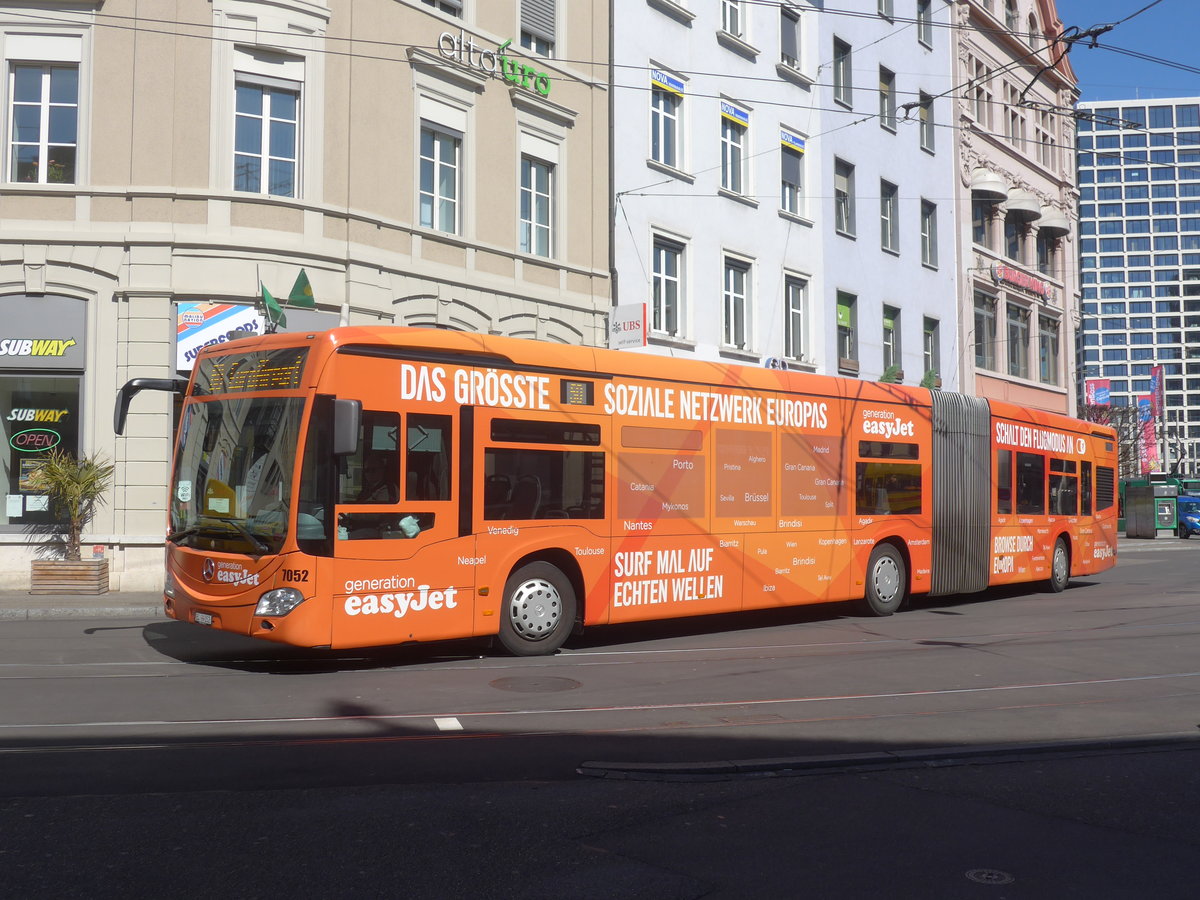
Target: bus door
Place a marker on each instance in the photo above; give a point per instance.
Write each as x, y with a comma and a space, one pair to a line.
401, 566
539, 491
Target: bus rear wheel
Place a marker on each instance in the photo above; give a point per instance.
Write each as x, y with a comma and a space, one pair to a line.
887, 582
1060, 567
539, 610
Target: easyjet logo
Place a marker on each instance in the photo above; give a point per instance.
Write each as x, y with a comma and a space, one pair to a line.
35, 347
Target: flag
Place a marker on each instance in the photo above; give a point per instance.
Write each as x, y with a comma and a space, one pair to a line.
302, 292
274, 312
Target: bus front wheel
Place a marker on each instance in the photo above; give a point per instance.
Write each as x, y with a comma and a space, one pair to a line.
539, 610
887, 581
1060, 567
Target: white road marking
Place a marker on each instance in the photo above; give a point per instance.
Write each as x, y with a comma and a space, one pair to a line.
448, 723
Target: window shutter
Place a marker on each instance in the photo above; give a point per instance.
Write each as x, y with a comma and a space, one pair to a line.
788, 25
791, 166
537, 17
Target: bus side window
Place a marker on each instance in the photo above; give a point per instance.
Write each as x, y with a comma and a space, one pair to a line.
373, 474
1004, 499
1085, 490
1031, 484
427, 467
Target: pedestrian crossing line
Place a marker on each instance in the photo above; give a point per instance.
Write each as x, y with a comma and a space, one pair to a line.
448, 723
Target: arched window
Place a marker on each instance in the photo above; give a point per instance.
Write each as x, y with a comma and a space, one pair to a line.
1035, 34
1010, 15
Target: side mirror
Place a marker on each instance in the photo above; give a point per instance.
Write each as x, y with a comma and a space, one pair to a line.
130, 388
347, 416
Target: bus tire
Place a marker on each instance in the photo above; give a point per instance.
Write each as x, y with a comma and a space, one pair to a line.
1060, 567
887, 582
539, 610
1183, 532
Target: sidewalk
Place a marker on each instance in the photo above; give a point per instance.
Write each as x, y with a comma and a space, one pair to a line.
22, 605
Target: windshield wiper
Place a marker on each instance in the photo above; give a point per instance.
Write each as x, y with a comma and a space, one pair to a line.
249, 535
178, 536
256, 542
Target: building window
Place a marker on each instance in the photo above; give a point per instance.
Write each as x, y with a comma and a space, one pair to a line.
791, 173
266, 137
887, 99
985, 331
538, 26
537, 206
925, 23
889, 221
843, 84
928, 139
929, 239
1046, 247
930, 346
1011, 20
981, 222
1014, 240
891, 338
736, 306
1043, 133
885, 8
1035, 34
1015, 121
795, 311
441, 173
665, 103
789, 37
44, 130
734, 124
449, 7
843, 197
1018, 341
732, 17
847, 331
981, 96
668, 287
1048, 350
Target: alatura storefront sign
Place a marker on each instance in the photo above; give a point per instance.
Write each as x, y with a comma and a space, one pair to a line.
463, 49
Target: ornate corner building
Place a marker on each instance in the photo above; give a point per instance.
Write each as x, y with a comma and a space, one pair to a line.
1019, 295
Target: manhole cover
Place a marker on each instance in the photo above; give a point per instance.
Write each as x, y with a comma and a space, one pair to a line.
989, 876
535, 685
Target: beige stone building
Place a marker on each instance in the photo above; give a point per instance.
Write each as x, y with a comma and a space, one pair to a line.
1017, 202
427, 162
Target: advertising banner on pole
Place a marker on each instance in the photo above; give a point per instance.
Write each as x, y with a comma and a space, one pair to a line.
1147, 445
1096, 392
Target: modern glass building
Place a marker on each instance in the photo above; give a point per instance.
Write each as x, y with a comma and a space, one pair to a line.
1139, 256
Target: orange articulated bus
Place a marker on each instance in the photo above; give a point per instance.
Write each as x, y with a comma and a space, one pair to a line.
372, 486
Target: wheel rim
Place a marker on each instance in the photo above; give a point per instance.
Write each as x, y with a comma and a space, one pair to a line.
535, 609
1060, 563
886, 579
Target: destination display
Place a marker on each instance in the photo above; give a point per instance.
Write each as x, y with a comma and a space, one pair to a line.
264, 370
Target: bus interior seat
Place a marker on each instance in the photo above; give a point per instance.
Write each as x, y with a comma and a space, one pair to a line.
526, 498
496, 490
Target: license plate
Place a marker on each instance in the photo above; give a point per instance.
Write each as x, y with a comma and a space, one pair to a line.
203, 618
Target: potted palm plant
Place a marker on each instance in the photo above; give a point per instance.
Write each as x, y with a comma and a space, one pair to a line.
76, 488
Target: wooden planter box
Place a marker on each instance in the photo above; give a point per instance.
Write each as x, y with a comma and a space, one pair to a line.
61, 576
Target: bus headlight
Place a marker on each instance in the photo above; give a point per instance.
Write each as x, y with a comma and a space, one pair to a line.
278, 602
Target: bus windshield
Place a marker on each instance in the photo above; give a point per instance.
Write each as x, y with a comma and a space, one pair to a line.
231, 488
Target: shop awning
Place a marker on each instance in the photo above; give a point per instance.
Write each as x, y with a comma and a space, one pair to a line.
987, 185
1023, 205
1054, 222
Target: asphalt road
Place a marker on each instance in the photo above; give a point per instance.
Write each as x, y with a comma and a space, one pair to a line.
1020, 744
